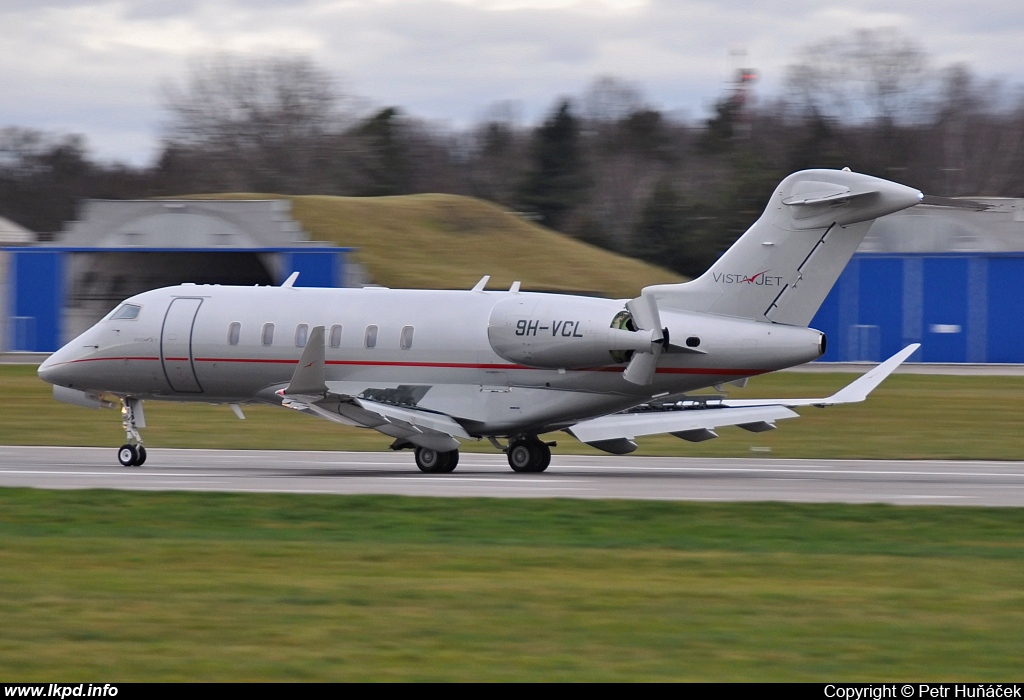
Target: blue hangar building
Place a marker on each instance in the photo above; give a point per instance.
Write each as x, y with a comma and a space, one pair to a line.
52, 292
949, 277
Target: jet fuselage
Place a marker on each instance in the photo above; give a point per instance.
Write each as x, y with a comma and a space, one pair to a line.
436, 350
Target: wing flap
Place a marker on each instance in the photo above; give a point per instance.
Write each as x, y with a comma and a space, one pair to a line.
417, 419
692, 422
423, 428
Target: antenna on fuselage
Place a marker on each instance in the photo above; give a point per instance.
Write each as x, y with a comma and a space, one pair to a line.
290, 282
479, 286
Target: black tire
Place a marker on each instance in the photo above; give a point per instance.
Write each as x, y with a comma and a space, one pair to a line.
128, 455
544, 453
522, 456
436, 462
453, 461
142, 457
529, 456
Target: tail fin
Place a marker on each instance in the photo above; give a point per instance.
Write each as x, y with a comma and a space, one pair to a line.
783, 267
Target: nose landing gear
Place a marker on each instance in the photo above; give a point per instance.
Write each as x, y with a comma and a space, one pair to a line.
132, 453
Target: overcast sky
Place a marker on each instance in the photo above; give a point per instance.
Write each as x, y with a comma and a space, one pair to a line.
95, 67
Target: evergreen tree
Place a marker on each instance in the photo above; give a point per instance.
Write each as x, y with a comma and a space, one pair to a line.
556, 181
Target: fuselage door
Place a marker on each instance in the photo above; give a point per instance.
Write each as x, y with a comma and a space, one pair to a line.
176, 345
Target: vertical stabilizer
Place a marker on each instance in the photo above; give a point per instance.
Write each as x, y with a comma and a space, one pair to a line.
783, 267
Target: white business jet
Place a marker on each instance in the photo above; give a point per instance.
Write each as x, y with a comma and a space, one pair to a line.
431, 368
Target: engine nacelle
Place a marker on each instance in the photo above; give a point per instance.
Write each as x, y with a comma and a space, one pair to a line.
577, 333
563, 332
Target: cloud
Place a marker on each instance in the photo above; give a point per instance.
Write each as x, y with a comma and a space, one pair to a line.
95, 66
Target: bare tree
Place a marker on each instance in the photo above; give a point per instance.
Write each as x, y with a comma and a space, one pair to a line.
871, 75
263, 121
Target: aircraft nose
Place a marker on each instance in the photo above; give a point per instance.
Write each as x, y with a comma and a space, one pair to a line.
48, 371
58, 368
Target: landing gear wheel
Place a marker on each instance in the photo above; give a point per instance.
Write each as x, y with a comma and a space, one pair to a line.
132, 453
435, 462
545, 458
128, 456
453, 461
529, 456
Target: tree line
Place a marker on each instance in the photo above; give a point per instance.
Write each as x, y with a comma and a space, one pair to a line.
605, 166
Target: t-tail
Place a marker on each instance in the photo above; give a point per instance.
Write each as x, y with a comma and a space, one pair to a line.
784, 266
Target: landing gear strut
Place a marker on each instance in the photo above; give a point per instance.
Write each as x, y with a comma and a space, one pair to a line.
435, 461
132, 453
528, 455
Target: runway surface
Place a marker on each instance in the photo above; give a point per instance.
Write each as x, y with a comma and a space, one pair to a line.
570, 476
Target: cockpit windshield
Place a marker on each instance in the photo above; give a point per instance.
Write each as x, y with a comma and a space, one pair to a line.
126, 312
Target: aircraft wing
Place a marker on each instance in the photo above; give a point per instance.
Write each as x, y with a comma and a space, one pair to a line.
854, 392
696, 420
308, 391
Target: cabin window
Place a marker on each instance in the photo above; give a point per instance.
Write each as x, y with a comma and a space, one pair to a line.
406, 340
234, 333
335, 336
127, 312
268, 334
371, 337
301, 334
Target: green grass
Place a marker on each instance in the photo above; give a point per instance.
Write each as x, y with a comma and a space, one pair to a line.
144, 586
440, 241
909, 416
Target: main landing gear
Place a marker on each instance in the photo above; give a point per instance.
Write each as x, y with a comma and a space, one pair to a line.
528, 454
435, 461
132, 453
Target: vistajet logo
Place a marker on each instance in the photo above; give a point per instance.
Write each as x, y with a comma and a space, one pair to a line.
761, 279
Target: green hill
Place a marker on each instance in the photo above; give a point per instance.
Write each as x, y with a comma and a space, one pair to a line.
449, 242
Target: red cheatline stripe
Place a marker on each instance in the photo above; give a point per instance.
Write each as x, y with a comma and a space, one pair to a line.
442, 365
104, 359
369, 363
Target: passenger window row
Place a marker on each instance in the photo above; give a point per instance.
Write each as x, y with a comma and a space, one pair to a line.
333, 337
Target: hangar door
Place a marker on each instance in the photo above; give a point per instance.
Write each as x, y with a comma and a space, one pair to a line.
176, 345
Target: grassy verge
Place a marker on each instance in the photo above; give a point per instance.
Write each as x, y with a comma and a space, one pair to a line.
909, 416
144, 586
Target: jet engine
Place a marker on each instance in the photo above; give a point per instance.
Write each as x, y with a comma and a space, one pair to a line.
577, 333
565, 332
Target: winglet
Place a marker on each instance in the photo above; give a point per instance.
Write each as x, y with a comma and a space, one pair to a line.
854, 392
290, 282
859, 389
309, 378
